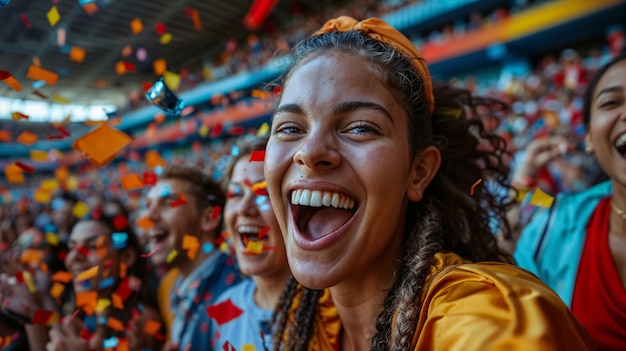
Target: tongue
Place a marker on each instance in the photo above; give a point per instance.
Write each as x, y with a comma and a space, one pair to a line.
324, 221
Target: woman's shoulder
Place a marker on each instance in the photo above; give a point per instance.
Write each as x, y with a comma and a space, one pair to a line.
500, 302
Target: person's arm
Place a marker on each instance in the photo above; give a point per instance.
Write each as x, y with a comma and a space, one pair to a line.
538, 154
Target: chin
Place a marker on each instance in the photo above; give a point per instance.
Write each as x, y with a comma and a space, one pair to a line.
313, 275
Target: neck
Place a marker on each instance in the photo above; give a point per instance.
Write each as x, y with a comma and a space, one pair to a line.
358, 303
269, 288
618, 209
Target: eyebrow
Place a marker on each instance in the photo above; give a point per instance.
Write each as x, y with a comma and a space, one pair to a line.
613, 89
344, 107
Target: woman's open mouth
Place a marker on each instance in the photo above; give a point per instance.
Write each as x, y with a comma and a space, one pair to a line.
318, 213
620, 144
250, 235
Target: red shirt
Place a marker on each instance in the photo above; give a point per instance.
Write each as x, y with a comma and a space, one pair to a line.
599, 300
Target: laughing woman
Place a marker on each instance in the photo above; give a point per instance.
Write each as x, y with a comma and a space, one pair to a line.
578, 247
369, 170
260, 251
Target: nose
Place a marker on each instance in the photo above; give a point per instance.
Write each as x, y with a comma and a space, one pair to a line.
318, 152
247, 206
153, 212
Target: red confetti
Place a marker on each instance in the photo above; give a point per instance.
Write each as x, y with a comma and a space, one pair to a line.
474, 186
19, 276
217, 210
146, 86
83, 250
263, 232
277, 90
236, 130
4, 74
120, 222
257, 156
42, 316
26, 168
63, 131
40, 95
149, 178
224, 312
181, 201
55, 137
217, 131
130, 67
160, 28
25, 20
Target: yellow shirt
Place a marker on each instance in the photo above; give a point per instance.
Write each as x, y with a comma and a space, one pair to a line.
477, 306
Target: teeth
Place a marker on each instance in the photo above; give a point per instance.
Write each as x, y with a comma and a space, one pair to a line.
621, 141
246, 229
317, 198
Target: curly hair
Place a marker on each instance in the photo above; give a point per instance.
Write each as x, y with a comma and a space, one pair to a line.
469, 153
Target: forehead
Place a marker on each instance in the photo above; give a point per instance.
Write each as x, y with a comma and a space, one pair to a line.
333, 76
245, 169
165, 187
614, 76
85, 230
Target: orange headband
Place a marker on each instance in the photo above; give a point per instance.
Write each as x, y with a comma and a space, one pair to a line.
380, 30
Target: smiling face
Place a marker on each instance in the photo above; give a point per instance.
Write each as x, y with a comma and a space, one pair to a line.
247, 214
90, 245
171, 223
339, 170
607, 127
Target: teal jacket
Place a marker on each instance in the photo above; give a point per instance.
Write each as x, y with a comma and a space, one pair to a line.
551, 244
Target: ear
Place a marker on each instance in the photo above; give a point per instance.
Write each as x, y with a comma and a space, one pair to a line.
588, 143
425, 166
208, 221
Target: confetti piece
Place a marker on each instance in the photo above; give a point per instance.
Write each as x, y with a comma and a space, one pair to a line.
115, 324
151, 327
159, 66
203, 130
16, 116
80, 209
474, 186
42, 196
111, 342
27, 138
136, 26
14, 174
181, 201
56, 290
102, 145
77, 54
541, 199
160, 28
165, 39
259, 94
223, 312
39, 95
215, 213
207, 247
91, 8
62, 277
38, 73
153, 159
38, 155
228, 347
49, 184
142, 54
60, 99
254, 247
195, 18
28, 279
217, 131
117, 301
52, 239
102, 305
263, 232
61, 37
149, 178
31, 256
5, 136
42, 316
236, 130
9, 80
171, 256
25, 20
192, 245
131, 181
264, 129
144, 223
26, 168
172, 80
87, 274
53, 16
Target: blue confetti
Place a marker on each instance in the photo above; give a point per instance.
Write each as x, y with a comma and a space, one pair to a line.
110, 342
119, 240
105, 283
207, 247
39, 84
165, 191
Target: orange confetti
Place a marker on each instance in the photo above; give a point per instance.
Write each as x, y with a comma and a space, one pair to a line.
117, 301
144, 223
153, 159
259, 94
115, 324
62, 277
91, 8
77, 54
474, 186
27, 138
102, 145
5, 136
151, 327
38, 73
136, 25
159, 66
31, 256
9, 80
131, 181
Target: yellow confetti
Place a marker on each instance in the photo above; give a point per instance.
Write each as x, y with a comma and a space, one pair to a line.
541, 199
53, 16
39, 155
172, 80
28, 279
60, 99
56, 290
264, 129
49, 184
166, 38
42, 196
80, 210
171, 256
52, 239
102, 305
204, 130
87, 274
254, 247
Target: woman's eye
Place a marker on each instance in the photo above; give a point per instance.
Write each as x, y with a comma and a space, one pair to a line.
288, 129
362, 128
609, 103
